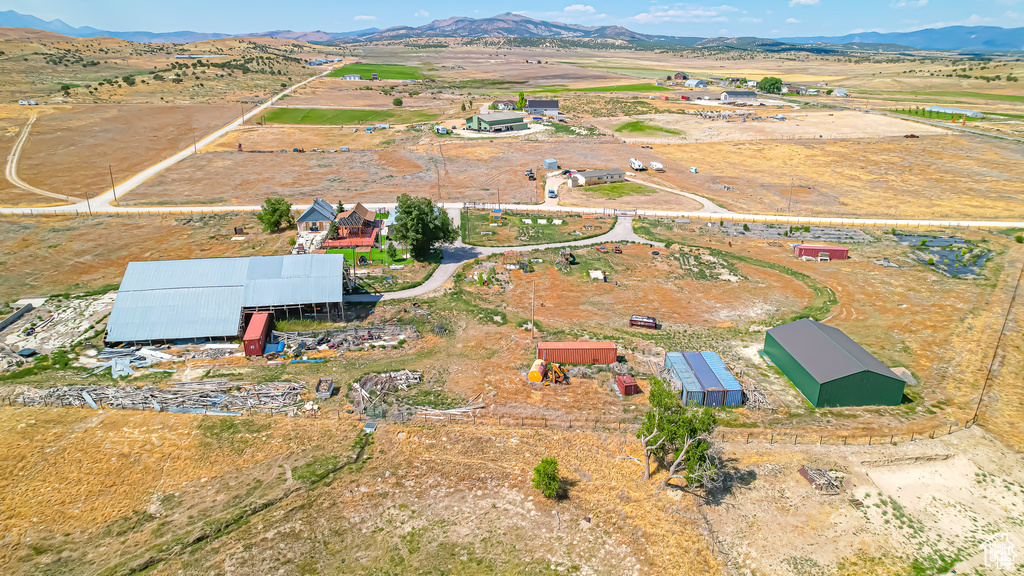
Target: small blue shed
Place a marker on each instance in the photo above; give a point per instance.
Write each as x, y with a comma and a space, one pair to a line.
714, 393
733, 389
551, 164
692, 391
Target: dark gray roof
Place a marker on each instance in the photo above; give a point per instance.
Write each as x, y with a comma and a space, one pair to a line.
602, 172
744, 93
826, 352
359, 215
542, 103
500, 116
318, 211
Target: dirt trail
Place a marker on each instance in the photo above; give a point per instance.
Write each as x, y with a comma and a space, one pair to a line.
11, 171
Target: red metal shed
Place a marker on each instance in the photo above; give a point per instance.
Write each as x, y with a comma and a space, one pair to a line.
577, 352
627, 385
255, 338
817, 250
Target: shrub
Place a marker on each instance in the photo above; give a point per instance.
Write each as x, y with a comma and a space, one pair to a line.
931, 261
1019, 238
545, 477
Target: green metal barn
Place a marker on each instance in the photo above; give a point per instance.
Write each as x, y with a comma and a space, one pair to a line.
829, 368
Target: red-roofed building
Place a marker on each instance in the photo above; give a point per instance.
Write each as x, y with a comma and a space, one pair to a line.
356, 228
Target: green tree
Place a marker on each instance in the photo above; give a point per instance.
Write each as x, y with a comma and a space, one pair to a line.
463, 106
746, 228
341, 207
1019, 238
545, 477
276, 212
682, 434
129, 80
770, 85
421, 226
397, 102
521, 102
332, 231
392, 252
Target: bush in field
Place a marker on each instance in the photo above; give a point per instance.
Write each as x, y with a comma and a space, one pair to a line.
545, 477
276, 212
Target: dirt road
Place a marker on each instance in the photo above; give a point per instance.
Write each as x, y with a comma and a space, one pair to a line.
11, 171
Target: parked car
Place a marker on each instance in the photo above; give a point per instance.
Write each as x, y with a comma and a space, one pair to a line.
602, 249
617, 250
552, 194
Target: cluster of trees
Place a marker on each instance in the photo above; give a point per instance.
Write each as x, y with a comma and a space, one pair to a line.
770, 85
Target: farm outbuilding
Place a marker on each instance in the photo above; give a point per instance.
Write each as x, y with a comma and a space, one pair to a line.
821, 252
829, 368
496, 122
695, 83
627, 385
738, 96
209, 298
551, 164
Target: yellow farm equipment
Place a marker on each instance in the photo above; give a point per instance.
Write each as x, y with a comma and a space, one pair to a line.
542, 371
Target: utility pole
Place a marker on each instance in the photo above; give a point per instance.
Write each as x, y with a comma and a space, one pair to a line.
112, 189
790, 205
87, 202
194, 149
533, 312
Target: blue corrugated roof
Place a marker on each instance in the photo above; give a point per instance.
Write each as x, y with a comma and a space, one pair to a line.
318, 211
204, 298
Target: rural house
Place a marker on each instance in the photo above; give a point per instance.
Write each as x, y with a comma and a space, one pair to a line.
317, 217
504, 105
591, 177
739, 96
695, 83
790, 89
680, 76
496, 122
357, 228
542, 107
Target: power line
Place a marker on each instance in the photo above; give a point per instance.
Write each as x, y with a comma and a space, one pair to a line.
995, 352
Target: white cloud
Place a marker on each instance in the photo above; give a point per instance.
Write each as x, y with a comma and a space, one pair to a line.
803, 2
364, 17
908, 3
579, 9
792, 21
753, 20
685, 13
421, 14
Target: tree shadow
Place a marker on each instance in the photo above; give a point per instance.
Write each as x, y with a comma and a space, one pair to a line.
733, 478
564, 485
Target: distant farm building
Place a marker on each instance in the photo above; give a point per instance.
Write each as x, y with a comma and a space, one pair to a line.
695, 83
947, 110
324, 61
551, 164
739, 96
829, 368
680, 76
840, 93
504, 105
542, 107
790, 89
353, 77
211, 298
496, 122
821, 252
591, 177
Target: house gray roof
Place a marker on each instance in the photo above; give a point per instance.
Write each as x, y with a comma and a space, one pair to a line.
318, 211
542, 103
826, 352
500, 116
602, 172
204, 298
740, 93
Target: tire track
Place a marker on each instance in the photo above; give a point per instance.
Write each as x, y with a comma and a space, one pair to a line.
11, 172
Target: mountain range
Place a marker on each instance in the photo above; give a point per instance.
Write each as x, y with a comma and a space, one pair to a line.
510, 25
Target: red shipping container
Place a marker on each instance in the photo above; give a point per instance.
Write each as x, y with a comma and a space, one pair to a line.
627, 385
816, 250
255, 339
577, 352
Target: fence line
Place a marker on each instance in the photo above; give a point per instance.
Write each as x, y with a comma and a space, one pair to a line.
743, 436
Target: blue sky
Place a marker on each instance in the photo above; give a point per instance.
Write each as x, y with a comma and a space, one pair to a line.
765, 18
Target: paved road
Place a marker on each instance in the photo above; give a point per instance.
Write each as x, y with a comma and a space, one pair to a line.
102, 202
459, 253
11, 171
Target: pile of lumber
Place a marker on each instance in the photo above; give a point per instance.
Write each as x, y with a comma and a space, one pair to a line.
473, 404
381, 385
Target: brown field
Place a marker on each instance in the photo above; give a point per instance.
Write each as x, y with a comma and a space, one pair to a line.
339, 93
59, 254
798, 125
85, 139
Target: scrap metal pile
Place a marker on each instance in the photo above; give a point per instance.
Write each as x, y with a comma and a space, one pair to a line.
348, 338
204, 396
821, 480
123, 361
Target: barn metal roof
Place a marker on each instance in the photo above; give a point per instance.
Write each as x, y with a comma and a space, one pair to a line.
826, 352
542, 103
204, 298
318, 211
